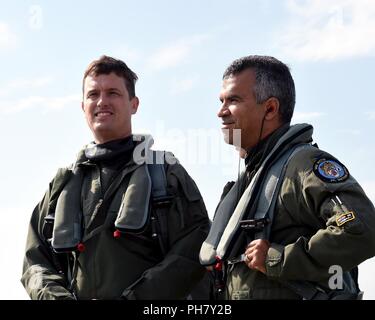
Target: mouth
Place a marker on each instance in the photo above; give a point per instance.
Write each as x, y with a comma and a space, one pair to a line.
227, 124
103, 113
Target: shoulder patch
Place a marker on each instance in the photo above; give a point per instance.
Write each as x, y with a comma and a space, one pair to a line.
330, 170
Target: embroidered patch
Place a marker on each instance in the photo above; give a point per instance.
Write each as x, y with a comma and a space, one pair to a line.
330, 170
344, 218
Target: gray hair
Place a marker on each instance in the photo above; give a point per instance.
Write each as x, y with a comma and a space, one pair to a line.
272, 79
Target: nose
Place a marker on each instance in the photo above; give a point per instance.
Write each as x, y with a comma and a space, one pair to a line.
103, 100
223, 111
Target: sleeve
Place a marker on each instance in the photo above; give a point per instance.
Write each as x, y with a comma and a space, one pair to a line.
40, 277
326, 200
188, 224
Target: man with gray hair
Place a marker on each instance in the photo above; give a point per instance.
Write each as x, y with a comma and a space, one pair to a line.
296, 224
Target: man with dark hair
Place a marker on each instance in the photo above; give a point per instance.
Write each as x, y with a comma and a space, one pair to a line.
107, 65
296, 224
123, 222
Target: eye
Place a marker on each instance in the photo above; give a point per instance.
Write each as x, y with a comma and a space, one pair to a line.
114, 93
233, 99
92, 94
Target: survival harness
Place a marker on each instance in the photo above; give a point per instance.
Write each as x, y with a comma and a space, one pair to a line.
160, 201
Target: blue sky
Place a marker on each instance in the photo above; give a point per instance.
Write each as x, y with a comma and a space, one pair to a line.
179, 50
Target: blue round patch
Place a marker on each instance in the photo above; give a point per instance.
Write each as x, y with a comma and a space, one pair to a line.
330, 170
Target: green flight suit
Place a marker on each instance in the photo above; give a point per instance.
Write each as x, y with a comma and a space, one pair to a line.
132, 266
318, 223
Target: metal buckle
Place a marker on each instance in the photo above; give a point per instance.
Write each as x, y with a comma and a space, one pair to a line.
254, 225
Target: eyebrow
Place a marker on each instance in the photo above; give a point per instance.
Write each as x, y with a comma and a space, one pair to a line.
231, 96
91, 90
109, 89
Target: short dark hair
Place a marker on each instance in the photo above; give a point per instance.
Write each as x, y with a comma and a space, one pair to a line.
272, 79
106, 65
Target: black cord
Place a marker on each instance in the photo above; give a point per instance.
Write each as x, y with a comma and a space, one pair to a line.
240, 185
260, 136
238, 175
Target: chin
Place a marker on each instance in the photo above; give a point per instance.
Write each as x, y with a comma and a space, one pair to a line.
228, 136
232, 137
103, 134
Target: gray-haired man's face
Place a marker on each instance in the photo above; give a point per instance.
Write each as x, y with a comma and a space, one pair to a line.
239, 110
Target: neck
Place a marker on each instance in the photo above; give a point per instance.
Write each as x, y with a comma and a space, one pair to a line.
102, 140
270, 127
109, 150
267, 141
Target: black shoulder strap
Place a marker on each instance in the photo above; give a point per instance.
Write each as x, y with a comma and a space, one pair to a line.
159, 181
160, 200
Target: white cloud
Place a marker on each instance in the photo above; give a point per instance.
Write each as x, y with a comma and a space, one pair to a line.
129, 55
32, 101
183, 85
349, 132
370, 115
306, 116
327, 30
47, 103
175, 53
7, 38
24, 84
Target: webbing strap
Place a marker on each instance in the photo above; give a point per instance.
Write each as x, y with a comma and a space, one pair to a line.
158, 177
270, 190
160, 199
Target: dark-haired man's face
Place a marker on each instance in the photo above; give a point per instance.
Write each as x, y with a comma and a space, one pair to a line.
239, 109
107, 107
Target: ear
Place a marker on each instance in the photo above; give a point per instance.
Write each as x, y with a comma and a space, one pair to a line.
134, 103
272, 107
82, 106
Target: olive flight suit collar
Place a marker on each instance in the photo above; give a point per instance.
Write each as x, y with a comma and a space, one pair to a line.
256, 155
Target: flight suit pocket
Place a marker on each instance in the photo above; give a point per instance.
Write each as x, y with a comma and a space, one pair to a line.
239, 281
241, 295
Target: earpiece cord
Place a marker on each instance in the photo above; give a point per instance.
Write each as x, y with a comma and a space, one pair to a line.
239, 159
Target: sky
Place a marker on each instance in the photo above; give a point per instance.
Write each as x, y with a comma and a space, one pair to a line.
179, 49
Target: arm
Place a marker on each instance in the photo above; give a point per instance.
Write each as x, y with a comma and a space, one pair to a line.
188, 224
40, 277
321, 206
